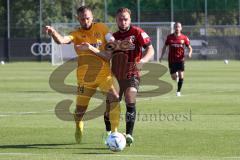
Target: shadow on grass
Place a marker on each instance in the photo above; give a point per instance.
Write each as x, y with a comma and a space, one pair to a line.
51, 146
38, 146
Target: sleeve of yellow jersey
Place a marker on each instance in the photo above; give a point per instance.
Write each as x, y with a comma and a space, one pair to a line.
72, 36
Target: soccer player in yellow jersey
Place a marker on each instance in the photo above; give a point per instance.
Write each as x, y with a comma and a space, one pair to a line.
93, 68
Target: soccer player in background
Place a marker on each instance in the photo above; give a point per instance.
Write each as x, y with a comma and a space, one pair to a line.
127, 61
89, 40
177, 43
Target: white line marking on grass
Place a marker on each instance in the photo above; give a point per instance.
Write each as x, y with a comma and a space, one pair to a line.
18, 153
132, 155
4, 114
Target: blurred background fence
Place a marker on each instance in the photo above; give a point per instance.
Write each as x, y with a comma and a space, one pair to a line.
212, 25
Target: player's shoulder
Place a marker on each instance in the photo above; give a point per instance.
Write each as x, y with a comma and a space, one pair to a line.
183, 35
136, 29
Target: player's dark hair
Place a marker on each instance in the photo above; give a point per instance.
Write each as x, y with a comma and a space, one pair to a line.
123, 9
82, 9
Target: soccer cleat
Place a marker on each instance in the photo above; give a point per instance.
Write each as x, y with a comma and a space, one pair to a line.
129, 140
105, 136
79, 133
178, 94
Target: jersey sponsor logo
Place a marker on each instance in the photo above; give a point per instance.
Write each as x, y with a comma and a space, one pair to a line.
129, 41
98, 44
120, 46
176, 45
144, 35
97, 35
182, 41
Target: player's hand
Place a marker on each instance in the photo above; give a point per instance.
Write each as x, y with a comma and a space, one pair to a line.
189, 55
140, 64
49, 30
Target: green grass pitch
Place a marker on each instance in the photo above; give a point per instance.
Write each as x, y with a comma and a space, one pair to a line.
202, 124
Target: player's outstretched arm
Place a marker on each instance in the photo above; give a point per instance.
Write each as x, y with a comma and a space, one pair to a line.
87, 46
56, 36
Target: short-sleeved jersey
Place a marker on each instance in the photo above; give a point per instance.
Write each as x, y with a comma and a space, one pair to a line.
90, 66
124, 65
176, 47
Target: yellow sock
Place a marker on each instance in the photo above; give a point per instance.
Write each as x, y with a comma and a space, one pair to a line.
114, 115
79, 124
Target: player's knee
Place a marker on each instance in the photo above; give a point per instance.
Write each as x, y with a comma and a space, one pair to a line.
130, 95
131, 90
106, 115
174, 77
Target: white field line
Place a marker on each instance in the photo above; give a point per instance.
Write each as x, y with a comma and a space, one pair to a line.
115, 155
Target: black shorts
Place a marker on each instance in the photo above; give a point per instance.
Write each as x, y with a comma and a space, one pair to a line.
176, 66
126, 83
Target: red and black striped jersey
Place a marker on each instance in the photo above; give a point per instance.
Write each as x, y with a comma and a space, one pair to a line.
124, 64
176, 47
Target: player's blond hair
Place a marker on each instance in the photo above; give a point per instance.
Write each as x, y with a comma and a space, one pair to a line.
123, 9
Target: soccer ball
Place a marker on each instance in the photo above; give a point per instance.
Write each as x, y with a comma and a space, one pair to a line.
116, 142
226, 61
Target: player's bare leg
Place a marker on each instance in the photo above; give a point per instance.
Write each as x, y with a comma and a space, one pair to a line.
174, 76
130, 99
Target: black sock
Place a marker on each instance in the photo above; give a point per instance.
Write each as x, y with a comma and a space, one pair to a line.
180, 83
130, 118
107, 122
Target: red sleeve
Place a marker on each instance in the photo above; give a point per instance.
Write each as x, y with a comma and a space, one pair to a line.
143, 38
187, 41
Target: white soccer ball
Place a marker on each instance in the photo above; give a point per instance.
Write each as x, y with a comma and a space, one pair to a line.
226, 61
116, 142
2, 62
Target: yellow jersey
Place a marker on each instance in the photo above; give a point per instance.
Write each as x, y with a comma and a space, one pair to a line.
91, 68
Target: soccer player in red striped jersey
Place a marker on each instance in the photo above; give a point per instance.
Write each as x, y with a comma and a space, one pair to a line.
127, 61
177, 43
